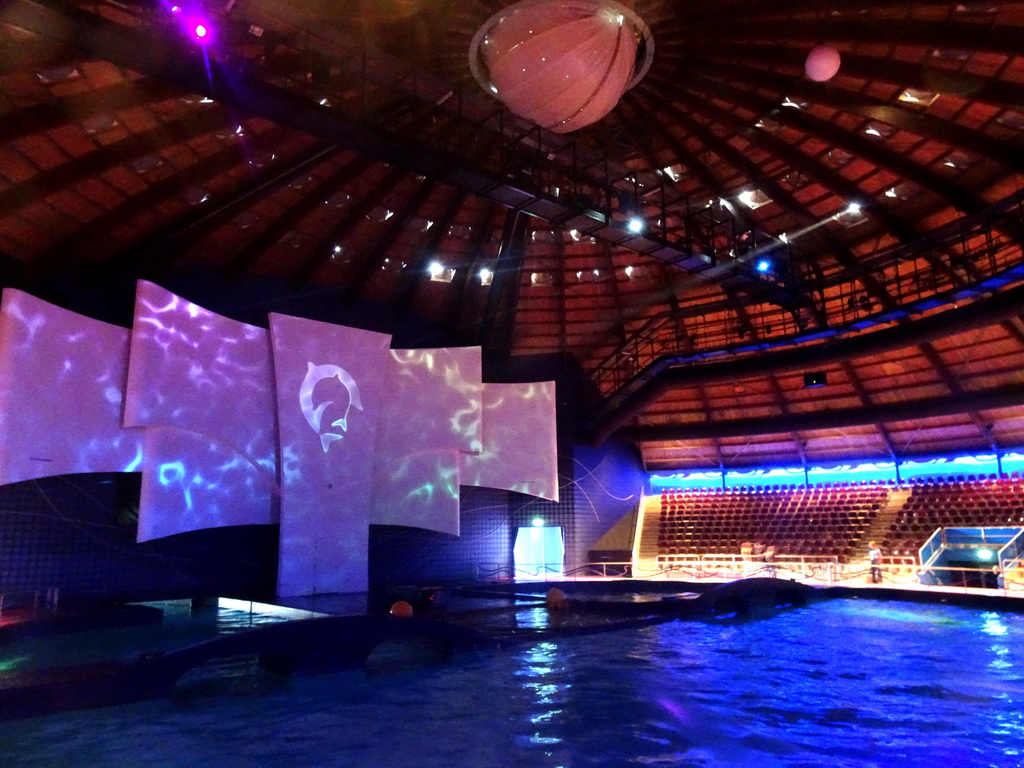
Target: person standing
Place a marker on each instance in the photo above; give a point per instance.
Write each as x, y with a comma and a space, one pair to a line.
995, 580
769, 561
875, 560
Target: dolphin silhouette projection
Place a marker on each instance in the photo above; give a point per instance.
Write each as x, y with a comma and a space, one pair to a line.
314, 414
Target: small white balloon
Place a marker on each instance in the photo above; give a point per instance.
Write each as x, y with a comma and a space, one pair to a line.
822, 63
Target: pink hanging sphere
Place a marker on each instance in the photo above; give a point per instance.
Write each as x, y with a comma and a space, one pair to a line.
822, 63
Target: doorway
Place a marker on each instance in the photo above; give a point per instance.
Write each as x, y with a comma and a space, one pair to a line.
539, 551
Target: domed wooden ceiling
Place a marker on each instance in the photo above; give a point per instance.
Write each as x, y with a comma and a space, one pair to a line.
826, 271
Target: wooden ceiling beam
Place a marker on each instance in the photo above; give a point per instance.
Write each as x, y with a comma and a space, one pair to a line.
287, 222
108, 156
1011, 396
353, 217
62, 254
396, 227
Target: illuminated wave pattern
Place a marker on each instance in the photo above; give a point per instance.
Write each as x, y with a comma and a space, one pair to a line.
208, 379
326, 495
62, 386
433, 411
519, 441
353, 434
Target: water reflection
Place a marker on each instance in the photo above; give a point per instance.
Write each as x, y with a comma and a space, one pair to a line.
993, 624
544, 675
831, 685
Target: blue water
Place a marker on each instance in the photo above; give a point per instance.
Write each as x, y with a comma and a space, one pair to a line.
845, 683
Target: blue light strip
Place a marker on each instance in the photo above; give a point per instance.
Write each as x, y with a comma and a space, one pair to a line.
934, 467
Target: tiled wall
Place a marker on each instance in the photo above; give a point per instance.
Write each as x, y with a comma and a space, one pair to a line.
412, 556
609, 482
76, 534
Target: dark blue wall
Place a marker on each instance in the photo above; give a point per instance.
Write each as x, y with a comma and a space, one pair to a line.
76, 533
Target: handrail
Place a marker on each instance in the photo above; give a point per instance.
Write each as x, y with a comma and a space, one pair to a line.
43, 600
984, 258
703, 567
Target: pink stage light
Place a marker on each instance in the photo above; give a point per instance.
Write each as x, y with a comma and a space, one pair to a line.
200, 31
562, 64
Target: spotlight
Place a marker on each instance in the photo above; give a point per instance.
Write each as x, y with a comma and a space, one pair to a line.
815, 379
200, 31
985, 554
763, 265
635, 225
436, 268
853, 209
538, 522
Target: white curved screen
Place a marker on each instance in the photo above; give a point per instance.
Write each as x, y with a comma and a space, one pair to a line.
432, 411
330, 393
190, 482
62, 383
520, 446
208, 380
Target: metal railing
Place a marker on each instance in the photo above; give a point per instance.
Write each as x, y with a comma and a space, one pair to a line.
824, 570
953, 264
35, 603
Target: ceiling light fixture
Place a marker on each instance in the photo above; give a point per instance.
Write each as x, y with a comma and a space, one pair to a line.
562, 64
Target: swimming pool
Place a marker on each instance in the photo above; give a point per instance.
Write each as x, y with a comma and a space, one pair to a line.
841, 683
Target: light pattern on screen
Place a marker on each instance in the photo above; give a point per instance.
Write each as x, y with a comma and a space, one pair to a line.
207, 380
433, 409
435, 397
419, 489
61, 392
196, 370
520, 444
191, 482
325, 496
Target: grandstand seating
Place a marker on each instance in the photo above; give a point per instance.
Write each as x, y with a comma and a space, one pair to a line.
830, 519
964, 501
809, 521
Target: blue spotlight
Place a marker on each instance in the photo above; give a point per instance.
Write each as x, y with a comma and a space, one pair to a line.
635, 225
764, 265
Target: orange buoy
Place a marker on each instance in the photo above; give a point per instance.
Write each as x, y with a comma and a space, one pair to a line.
556, 599
401, 608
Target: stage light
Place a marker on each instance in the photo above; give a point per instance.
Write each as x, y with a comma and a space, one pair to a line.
635, 225
764, 265
853, 209
436, 268
814, 379
985, 554
200, 31
538, 522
